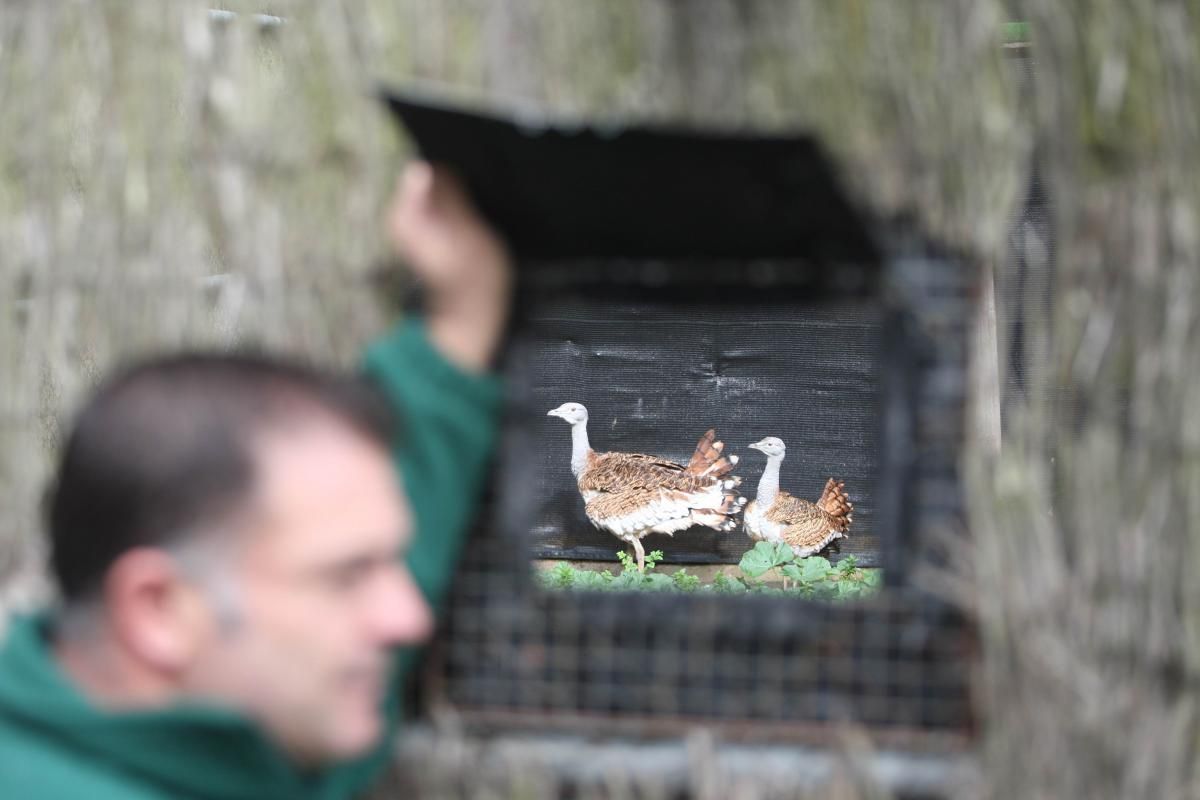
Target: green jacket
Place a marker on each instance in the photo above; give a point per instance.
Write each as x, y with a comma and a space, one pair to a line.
54, 744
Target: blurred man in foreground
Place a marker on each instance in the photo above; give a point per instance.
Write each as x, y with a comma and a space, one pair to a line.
238, 562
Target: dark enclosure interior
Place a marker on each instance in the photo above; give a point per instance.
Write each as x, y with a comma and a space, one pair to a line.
674, 281
668, 304
655, 372
573, 191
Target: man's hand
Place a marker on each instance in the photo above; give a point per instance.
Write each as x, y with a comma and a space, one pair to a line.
462, 263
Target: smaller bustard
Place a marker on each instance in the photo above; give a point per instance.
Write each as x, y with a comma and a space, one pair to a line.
631, 495
776, 516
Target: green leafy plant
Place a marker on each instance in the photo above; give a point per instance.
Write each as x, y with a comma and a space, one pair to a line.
561, 576
812, 577
724, 584
685, 582
628, 562
765, 556
594, 581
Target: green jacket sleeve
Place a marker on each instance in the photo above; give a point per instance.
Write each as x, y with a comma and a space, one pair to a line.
448, 421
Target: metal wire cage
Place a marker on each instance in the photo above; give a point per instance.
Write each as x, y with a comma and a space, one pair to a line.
514, 655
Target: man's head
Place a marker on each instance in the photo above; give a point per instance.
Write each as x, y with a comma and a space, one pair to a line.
232, 527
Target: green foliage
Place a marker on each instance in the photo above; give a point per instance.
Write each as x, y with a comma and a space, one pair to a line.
685, 582
587, 580
812, 577
723, 584
561, 576
765, 556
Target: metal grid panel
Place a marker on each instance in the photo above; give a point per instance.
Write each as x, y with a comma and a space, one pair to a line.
757, 666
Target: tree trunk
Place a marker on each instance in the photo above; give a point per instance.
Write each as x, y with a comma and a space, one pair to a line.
174, 176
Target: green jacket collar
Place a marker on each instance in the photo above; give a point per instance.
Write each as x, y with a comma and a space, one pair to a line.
185, 749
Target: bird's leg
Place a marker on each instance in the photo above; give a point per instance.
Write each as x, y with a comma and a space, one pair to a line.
640, 553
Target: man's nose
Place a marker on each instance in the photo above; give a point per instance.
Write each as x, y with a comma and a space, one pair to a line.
398, 611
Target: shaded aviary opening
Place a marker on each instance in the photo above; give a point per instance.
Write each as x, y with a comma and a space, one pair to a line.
657, 366
672, 281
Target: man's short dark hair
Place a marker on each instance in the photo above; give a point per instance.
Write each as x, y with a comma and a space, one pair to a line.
164, 448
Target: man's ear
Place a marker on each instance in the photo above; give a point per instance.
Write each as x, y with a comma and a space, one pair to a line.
156, 613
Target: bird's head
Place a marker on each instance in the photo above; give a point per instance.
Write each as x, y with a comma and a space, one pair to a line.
573, 413
770, 447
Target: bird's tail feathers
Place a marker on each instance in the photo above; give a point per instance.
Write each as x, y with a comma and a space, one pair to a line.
709, 457
722, 515
836, 503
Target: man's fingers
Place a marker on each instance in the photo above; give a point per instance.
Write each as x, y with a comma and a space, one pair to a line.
416, 182
434, 226
447, 195
430, 192
413, 199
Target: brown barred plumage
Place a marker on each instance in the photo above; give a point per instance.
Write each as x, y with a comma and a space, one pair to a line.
631, 495
776, 515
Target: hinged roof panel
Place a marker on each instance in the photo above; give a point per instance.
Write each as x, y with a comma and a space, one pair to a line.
563, 191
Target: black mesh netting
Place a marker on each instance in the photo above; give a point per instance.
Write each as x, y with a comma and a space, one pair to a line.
655, 374
674, 282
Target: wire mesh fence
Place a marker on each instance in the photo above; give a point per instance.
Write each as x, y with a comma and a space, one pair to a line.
771, 667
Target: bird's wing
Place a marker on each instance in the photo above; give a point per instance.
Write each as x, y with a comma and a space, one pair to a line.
623, 472
640, 505
807, 527
789, 510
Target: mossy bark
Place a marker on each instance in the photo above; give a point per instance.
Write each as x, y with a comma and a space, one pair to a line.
170, 177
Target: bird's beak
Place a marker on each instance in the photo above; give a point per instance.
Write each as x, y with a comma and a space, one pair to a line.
554, 412
756, 446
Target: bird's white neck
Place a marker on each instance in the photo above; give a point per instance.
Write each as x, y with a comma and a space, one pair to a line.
579, 447
768, 484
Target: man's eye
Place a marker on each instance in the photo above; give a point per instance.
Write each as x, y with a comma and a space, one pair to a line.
349, 576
